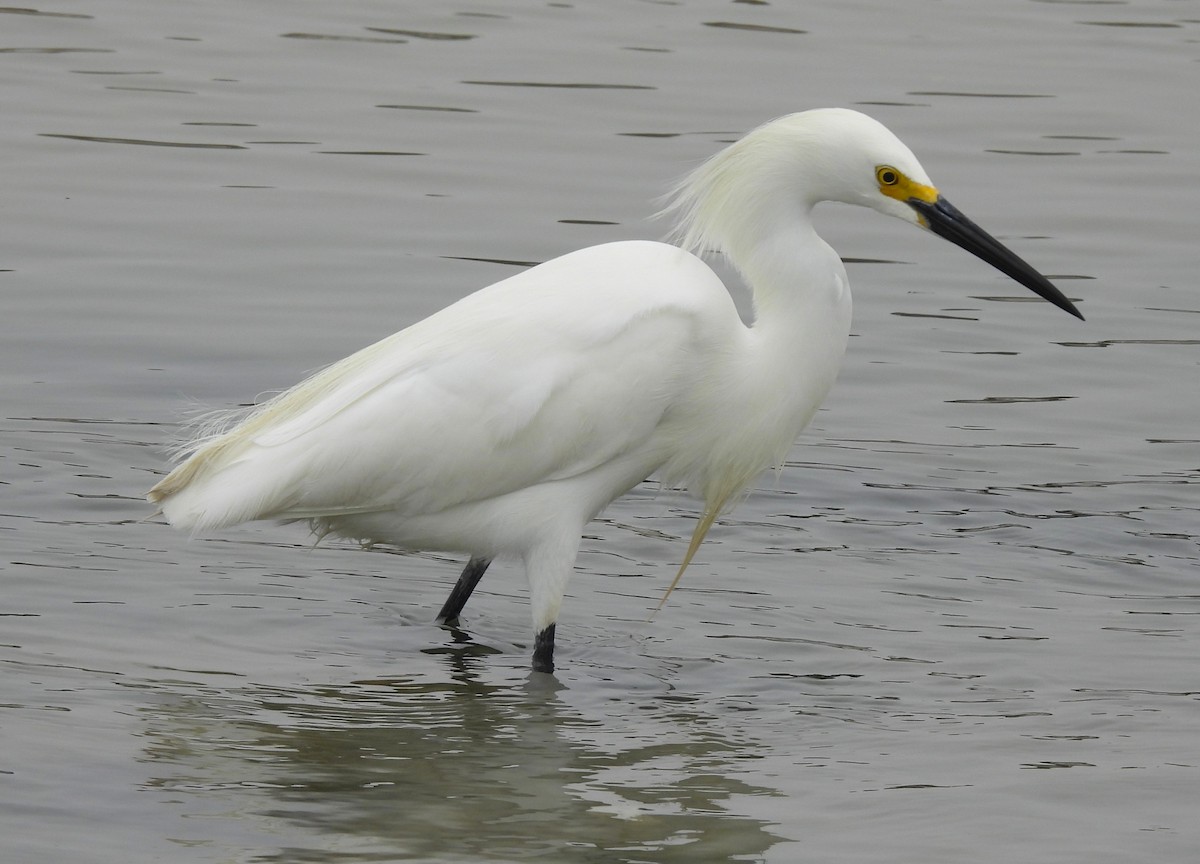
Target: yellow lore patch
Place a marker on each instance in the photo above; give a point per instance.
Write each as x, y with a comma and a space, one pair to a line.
894, 183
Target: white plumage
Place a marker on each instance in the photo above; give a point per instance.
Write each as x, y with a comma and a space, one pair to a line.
502, 424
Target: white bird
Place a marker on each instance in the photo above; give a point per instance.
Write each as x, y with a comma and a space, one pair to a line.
505, 422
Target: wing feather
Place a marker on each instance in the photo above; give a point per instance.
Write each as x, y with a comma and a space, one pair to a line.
543, 376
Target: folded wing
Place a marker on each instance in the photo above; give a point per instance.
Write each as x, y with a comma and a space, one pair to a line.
543, 376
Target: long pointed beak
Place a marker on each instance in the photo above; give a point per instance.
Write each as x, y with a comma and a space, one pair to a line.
946, 220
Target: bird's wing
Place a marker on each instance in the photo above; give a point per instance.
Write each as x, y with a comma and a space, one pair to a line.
543, 376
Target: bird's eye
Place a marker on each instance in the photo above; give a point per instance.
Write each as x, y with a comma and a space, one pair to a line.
887, 175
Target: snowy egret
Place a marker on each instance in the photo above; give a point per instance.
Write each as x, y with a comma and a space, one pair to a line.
505, 422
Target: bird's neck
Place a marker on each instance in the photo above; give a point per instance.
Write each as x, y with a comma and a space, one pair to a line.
801, 293
802, 312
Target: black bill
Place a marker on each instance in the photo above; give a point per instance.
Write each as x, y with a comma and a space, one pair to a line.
946, 220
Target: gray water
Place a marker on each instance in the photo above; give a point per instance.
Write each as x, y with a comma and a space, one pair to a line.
961, 624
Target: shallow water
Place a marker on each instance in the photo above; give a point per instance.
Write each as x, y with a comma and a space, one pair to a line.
961, 623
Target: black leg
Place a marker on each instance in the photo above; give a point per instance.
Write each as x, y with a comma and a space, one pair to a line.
461, 593
543, 650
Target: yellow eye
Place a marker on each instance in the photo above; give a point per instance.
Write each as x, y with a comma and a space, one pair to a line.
887, 175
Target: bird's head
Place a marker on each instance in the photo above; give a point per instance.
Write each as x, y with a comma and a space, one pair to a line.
830, 154
870, 166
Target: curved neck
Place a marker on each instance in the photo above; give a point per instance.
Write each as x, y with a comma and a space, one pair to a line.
802, 309
798, 285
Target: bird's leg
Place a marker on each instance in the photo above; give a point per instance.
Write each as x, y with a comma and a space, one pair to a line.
543, 650
461, 592
549, 567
